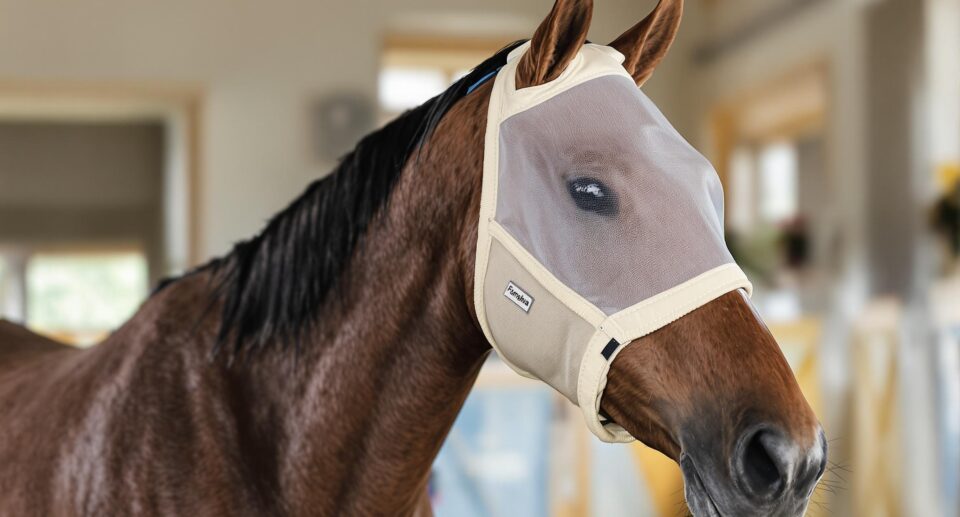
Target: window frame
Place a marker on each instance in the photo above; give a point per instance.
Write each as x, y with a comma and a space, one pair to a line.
24, 253
450, 55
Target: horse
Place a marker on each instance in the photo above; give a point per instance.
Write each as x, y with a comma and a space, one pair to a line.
317, 367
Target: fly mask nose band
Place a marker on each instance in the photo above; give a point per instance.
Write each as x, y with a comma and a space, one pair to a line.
598, 224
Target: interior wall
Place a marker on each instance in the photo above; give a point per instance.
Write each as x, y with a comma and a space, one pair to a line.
811, 193
260, 66
895, 208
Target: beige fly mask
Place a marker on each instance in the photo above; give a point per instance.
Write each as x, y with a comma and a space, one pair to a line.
599, 224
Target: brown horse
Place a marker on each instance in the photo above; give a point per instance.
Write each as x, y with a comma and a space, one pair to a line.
316, 369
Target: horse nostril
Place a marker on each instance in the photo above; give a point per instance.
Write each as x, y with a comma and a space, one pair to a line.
760, 464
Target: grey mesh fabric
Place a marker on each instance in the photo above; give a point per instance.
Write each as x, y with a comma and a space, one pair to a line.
599, 224
669, 204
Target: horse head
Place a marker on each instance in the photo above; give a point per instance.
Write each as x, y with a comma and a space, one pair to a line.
601, 269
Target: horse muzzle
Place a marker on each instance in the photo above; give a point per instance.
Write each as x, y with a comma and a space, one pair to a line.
767, 474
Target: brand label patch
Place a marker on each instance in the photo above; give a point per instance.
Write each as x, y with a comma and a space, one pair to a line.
518, 296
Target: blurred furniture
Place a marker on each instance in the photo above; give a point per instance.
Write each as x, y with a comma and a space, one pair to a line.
945, 301
876, 442
498, 459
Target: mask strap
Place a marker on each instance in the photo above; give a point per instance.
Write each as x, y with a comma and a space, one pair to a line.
599, 354
482, 80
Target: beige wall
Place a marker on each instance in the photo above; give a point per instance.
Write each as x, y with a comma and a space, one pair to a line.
259, 66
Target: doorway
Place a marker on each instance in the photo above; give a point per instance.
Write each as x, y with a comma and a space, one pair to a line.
99, 188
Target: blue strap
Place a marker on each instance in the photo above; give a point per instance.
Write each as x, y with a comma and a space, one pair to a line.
482, 80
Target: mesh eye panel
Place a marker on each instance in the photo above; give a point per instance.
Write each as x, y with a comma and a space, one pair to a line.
659, 222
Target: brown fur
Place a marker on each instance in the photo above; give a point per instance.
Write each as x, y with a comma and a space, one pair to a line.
739, 372
646, 44
555, 43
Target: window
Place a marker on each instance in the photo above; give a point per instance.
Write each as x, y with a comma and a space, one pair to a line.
81, 297
778, 182
764, 190
402, 88
413, 70
767, 231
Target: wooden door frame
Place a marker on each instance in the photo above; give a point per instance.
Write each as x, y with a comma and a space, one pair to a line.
38, 100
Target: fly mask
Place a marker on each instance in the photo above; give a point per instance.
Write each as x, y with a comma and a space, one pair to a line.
599, 224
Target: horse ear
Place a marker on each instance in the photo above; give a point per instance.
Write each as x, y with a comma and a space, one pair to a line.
556, 42
646, 44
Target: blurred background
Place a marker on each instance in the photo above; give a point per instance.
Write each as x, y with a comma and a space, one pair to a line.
139, 138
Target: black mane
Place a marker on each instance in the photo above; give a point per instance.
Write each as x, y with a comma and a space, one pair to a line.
272, 285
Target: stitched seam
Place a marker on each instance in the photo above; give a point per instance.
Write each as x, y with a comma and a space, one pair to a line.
682, 288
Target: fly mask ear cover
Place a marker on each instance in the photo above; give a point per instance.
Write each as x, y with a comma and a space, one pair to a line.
598, 225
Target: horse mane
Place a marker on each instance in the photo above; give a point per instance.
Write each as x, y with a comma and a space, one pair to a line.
273, 285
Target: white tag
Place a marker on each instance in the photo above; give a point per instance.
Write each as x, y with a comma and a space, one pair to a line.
518, 296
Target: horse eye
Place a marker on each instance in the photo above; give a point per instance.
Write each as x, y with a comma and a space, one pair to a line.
593, 196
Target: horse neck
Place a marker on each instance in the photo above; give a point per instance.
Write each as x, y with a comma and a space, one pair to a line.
366, 407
